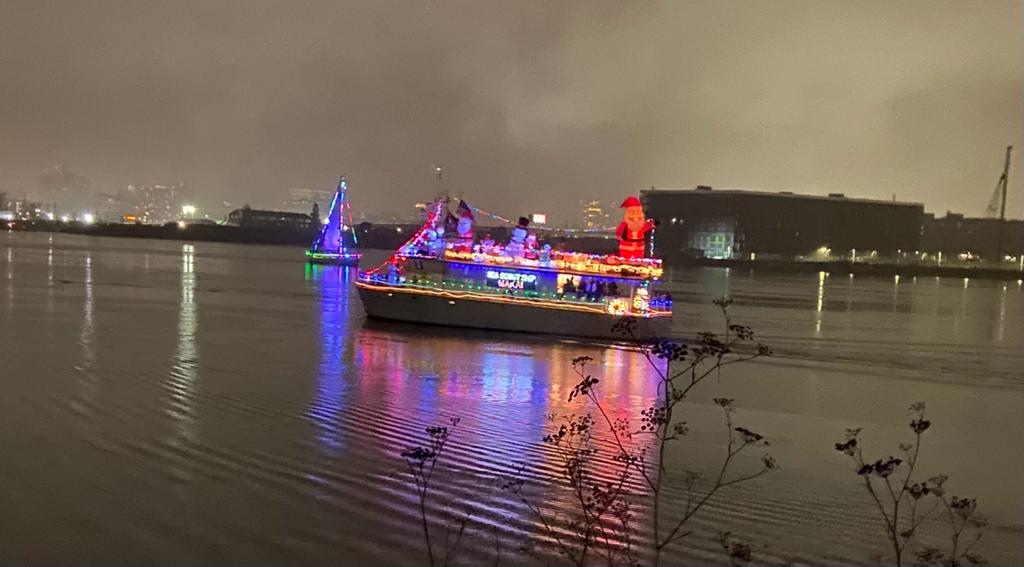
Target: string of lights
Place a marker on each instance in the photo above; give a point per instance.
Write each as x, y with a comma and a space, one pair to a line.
500, 218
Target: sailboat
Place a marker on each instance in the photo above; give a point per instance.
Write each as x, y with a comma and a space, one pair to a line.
330, 246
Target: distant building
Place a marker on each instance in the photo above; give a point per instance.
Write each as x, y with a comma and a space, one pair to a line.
23, 209
155, 204
109, 207
247, 217
595, 215
713, 223
70, 192
302, 200
956, 234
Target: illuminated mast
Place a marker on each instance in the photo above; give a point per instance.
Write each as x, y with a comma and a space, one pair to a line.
329, 246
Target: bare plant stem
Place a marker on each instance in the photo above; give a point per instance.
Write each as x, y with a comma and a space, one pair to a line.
893, 503
426, 528
597, 531
421, 462
670, 395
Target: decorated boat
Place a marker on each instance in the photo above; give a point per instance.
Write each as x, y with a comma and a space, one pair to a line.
336, 242
444, 276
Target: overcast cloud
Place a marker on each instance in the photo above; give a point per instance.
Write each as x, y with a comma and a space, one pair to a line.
530, 106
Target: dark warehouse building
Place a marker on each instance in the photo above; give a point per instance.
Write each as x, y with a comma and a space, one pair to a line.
713, 223
247, 217
956, 234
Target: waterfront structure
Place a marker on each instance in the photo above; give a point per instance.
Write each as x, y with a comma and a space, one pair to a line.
247, 217
521, 288
739, 224
973, 238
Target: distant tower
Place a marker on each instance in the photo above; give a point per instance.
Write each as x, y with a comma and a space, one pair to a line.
315, 215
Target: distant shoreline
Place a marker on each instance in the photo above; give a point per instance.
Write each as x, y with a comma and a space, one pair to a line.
389, 237
171, 231
858, 268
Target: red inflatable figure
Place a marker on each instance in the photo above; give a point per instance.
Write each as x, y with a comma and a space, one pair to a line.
632, 231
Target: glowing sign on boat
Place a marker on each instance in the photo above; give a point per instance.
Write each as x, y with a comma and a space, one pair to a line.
641, 301
511, 280
618, 306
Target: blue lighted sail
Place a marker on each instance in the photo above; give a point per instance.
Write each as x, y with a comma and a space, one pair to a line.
337, 237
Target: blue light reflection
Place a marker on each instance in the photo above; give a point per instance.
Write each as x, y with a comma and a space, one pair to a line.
329, 401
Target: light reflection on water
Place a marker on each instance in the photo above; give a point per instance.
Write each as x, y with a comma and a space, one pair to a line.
819, 316
282, 411
9, 273
49, 274
87, 340
895, 292
184, 369
328, 405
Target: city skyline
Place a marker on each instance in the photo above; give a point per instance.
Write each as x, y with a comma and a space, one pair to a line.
531, 109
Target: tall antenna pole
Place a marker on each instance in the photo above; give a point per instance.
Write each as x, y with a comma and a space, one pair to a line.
1005, 180
442, 191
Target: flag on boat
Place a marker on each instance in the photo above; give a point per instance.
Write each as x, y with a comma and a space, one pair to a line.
451, 222
465, 211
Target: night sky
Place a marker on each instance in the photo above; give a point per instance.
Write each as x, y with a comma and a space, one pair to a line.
530, 106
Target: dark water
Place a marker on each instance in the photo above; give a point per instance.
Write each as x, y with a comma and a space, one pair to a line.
177, 403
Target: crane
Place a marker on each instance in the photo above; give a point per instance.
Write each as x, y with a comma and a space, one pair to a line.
998, 203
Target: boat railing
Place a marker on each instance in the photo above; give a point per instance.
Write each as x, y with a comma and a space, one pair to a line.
641, 302
578, 263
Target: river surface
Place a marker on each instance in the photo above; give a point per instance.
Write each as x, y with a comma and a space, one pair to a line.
202, 403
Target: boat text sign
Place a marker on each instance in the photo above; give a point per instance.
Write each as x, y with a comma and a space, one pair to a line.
511, 280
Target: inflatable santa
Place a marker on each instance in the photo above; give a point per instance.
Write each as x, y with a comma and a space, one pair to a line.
531, 247
632, 231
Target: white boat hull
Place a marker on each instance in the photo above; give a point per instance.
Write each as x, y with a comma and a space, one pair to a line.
460, 312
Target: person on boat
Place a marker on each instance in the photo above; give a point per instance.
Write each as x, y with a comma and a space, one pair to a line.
632, 231
613, 289
517, 241
568, 287
425, 244
590, 291
437, 245
545, 254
